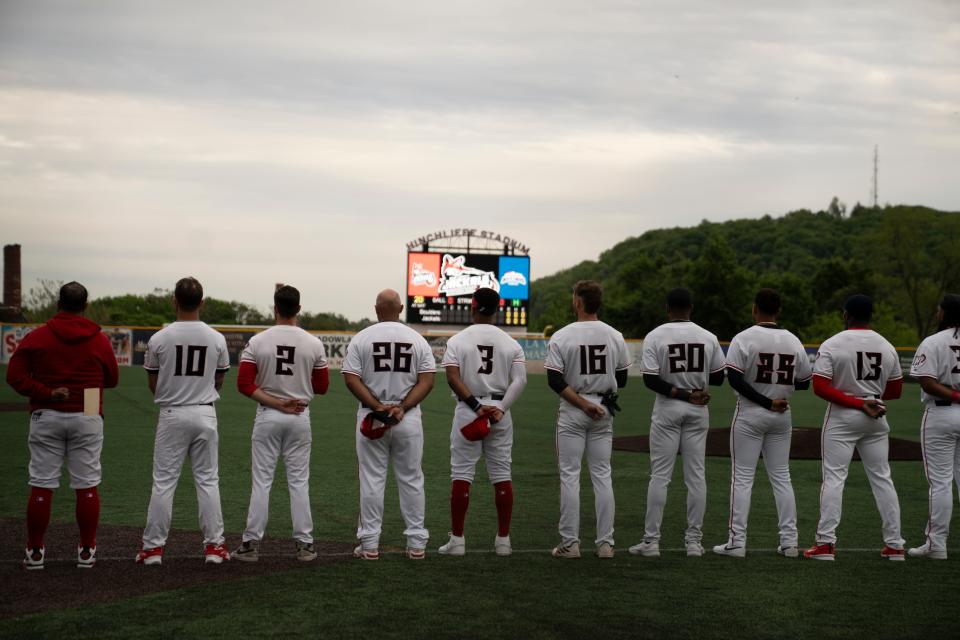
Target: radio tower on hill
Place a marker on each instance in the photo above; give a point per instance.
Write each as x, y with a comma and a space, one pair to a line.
876, 160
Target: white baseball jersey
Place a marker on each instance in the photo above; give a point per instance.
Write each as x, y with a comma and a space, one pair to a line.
938, 357
589, 354
771, 360
858, 362
186, 355
286, 357
485, 355
389, 357
683, 354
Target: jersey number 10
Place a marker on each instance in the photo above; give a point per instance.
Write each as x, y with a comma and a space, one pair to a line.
195, 362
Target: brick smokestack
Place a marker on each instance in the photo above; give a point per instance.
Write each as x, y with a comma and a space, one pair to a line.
11, 276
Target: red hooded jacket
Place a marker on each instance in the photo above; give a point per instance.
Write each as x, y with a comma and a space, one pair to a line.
68, 351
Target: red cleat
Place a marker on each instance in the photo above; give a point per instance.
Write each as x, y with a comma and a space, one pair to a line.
150, 556
215, 554
889, 553
820, 552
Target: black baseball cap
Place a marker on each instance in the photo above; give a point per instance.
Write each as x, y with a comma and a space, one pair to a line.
859, 307
486, 301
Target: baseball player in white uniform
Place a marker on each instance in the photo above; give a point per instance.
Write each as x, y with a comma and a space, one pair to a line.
679, 360
487, 372
936, 366
281, 369
587, 361
765, 364
389, 368
185, 362
855, 371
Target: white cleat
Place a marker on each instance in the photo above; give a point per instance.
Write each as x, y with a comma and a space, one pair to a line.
501, 546
926, 551
647, 548
457, 546
788, 551
727, 550
694, 549
604, 550
571, 550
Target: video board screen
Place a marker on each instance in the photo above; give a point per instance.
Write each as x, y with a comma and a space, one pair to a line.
440, 286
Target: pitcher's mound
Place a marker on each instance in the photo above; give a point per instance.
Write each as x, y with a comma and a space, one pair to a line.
805, 445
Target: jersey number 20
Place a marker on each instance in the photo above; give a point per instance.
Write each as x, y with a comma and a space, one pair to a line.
686, 358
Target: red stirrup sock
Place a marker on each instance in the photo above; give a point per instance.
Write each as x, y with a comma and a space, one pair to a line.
503, 496
88, 516
38, 515
459, 501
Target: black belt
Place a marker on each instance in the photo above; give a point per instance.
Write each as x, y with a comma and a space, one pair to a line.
943, 403
493, 396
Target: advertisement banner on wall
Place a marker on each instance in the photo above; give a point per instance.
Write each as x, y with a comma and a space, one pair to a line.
236, 341
12, 336
121, 339
140, 339
335, 345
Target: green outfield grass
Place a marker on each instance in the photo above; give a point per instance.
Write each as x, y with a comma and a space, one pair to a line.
529, 594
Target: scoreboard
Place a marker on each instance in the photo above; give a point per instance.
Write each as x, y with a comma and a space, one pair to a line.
440, 286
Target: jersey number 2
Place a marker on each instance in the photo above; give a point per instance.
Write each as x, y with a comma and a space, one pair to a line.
195, 362
956, 352
392, 356
285, 358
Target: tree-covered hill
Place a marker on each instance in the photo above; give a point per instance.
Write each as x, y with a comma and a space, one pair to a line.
904, 256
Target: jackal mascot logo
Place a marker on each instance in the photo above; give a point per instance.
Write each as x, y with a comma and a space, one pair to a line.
457, 279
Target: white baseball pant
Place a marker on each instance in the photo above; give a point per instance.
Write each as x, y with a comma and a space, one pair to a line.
496, 448
185, 431
55, 435
280, 435
940, 433
677, 427
757, 430
845, 429
577, 434
401, 445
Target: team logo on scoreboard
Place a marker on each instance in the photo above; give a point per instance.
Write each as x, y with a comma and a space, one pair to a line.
457, 279
513, 279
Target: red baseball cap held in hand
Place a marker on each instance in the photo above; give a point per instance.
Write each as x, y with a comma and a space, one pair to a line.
376, 424
476, 430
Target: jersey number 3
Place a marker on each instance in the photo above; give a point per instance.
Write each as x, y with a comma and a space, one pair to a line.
486, 359
392, 356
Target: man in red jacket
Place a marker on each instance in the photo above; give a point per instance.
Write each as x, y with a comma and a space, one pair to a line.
63, 367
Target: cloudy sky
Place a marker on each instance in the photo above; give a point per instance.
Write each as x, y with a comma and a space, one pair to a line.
249, 143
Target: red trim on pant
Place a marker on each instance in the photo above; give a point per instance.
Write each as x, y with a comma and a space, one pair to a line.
503, 498
88, 516
38, 515
459, 502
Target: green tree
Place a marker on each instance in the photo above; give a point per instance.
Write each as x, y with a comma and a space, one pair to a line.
721, 290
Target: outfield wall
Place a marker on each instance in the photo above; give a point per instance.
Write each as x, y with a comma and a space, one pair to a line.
130, 344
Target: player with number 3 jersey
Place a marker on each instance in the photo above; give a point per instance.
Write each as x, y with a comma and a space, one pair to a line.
487, 372
936, 366
587, 361
185, 362
281, 369
389, 368
765, 364
855, 371
679, 360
